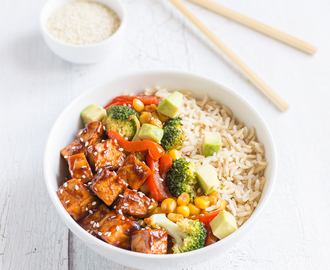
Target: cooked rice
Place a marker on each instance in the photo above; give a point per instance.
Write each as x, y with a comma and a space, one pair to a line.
240, 163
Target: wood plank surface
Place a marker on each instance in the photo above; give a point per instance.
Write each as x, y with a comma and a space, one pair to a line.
35, 86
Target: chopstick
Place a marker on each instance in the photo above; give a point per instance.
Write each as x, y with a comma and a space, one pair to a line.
262, 28
254, 78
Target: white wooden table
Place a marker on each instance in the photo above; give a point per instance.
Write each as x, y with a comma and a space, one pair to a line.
35, 86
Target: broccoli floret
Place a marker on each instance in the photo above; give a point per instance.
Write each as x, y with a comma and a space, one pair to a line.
121, 119
180, 178
172, 138
187, 234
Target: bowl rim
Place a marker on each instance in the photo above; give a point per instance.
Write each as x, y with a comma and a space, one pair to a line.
226, 241
120, 29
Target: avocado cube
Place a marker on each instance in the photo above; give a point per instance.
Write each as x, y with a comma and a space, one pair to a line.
92, 113
171, 104
223, 224
211, 143
207, 179
151, 133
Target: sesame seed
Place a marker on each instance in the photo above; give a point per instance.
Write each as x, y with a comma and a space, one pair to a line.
86, 208
115, 207
81, 139
92, 221
95, 189
109, 233
65, 156
121, 149
73, 147
141, 194
117, 228
121, 196
100, 233
122, 218
76, 187
83, 166
93, 203
90, 211
67, 201
161, 179
108, 163
115, 140
94, 225
65, 184
61, 191
102, 141
100, 170
156, 169
97, 225
95, 153
80, 132
150, 207
120, 212
125, 204
86, 144
103, 127
83, 176
140, 202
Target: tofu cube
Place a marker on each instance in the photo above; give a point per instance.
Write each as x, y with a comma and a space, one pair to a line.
76, 199
133, 203
149, 241
107, 186
92, 219
79, 168
116, 230
105, 155
93, 133
73, 148
134, 172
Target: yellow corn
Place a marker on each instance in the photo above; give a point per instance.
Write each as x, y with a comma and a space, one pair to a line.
145, 117
183, 199
202, 202
214, 194
213, 200
157, 210
153, 205
194, 210
168, 205
138, 105
150, 108
174, 154
175, 217
183, 210
156, 122
223, 204
162, 117
144, 188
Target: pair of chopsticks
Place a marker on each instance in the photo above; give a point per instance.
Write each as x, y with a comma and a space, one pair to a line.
254, 78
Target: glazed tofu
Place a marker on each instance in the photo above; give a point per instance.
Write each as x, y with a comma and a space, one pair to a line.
116, 230
79, 168
108, 186
94, 217
73, 148
149, 241
105, 155
93, 133
134, 172
133, 203
76, 199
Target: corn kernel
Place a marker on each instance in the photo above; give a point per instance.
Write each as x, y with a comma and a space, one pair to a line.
138, 105
158, 210
183, 199
153, 205
183, 210
175, 217
144, 188
145, 117
223, 204
214, 194
202, 202
150, 108
194, 210
156, 122
174, 154
213, 200
168, 205
162, 117
155, 115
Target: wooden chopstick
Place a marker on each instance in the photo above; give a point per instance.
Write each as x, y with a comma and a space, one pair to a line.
262, 28
255, 79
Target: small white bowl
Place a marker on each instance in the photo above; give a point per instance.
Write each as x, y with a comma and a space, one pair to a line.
83, 54
65, 129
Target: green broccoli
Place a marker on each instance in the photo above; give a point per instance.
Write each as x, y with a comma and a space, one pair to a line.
187, 234
121, 119
180, 178
172, 138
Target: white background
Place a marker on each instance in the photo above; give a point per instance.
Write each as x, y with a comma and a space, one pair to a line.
36, 85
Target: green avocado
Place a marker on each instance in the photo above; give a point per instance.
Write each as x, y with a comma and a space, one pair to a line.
171, 104
211, 143
151, 133
223, 224
207, 179
92, 113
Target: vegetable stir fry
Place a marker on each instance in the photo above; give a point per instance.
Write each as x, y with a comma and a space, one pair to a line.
129, 186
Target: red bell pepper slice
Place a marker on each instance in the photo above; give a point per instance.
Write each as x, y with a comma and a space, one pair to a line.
146, 100
210, 237
165, 163
157, 187
206, 218
119, 103
154, 149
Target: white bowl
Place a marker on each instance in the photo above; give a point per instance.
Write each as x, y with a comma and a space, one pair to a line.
65, 129
83, 54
